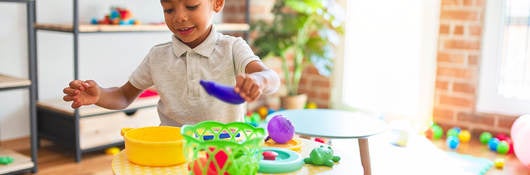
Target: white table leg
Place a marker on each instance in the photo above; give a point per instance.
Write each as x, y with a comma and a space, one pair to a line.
365, 155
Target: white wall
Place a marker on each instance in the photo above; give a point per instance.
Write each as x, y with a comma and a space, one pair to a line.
107, 58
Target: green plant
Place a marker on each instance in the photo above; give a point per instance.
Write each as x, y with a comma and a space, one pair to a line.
305, 29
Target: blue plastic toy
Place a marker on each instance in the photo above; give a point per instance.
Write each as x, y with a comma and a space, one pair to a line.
222, 92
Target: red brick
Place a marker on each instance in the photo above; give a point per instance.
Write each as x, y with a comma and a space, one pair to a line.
475, 30
455, 101
464, 88
472, 60
444, 29
452, 2
459, 15
458, 30
450, 72
455, 58
443, 114
477, 119
462, 44
442, 85
505, 122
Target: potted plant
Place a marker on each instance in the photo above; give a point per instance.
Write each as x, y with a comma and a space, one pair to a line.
302, 33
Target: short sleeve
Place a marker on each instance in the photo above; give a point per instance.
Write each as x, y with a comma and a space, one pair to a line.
243, 55
141, 77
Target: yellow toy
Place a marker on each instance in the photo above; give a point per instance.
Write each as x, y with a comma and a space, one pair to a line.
311, 105
499, 163
464, 136
112, 151
263, 112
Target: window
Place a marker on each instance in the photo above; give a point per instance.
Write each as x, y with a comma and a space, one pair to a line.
504, 85
389, 57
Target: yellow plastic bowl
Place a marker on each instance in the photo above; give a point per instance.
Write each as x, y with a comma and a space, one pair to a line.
154, 146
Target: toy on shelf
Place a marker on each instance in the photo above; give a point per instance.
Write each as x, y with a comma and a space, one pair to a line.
280, 129
284, 161
117, 16
222, 92
6, 160
322, 156
112, 150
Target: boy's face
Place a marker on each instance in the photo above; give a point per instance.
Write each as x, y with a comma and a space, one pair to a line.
190, 20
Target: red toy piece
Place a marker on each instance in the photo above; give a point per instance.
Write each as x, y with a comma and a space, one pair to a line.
269, 155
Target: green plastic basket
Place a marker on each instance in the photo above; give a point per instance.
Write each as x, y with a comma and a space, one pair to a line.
216, 148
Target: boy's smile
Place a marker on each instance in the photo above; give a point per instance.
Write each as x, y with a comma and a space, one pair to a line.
190, 20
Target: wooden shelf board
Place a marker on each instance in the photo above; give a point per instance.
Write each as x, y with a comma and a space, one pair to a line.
20, 161
132, 28
10, 82
65, 108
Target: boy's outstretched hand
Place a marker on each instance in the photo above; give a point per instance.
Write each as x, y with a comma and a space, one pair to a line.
82, 93
248, 87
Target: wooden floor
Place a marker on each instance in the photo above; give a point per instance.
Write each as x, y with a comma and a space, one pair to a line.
53, 161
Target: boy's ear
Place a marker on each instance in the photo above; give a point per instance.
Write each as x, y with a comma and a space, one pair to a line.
218, 5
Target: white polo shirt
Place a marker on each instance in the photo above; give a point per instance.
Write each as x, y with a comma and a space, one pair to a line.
175, 70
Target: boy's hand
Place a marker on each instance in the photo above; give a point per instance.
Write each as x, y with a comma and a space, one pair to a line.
248, 87
82, 93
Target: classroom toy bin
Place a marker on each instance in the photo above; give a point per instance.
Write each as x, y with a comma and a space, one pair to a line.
217, 148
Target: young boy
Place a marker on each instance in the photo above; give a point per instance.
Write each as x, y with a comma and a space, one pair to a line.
197, 52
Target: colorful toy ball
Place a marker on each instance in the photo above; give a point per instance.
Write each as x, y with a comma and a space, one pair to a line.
521, 143
499, 163
503, 147
280, 129
493, 143
485, 137
453, 132
452, 142
464, 136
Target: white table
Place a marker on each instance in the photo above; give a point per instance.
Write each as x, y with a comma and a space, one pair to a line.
337, 124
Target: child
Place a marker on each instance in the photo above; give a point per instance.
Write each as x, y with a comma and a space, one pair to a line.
197, 52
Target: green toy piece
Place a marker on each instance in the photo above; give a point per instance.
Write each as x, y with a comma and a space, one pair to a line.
5, 160
322, 156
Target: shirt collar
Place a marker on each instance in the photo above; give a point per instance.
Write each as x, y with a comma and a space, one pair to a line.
205, 48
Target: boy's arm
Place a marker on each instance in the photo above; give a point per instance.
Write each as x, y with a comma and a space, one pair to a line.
118, 97
258, 80
89, 92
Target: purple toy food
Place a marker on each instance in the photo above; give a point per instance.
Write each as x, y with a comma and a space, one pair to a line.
222, 92
280, 129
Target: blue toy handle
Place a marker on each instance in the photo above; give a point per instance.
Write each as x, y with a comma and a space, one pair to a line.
222, 92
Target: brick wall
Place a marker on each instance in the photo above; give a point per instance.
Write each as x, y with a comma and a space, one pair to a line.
457, 72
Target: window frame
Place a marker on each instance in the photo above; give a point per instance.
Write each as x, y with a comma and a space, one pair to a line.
488, 100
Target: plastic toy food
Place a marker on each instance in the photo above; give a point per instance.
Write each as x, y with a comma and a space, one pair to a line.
284, 162
222, 92
322, 156
280, 129
269, 155
5, 160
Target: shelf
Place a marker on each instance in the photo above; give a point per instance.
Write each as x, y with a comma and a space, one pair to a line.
21, 162
90, 28
9, 82
63, 107
19, 1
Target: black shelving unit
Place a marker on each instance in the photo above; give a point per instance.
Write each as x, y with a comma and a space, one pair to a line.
60, 124
22, 163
